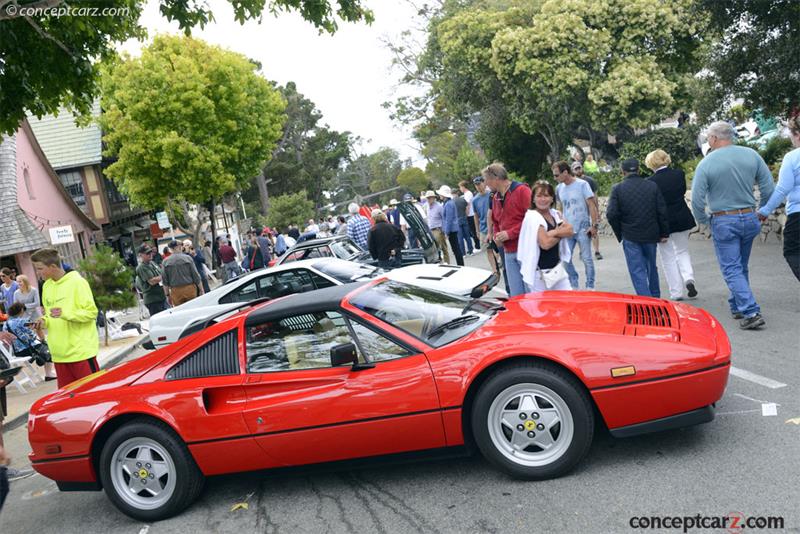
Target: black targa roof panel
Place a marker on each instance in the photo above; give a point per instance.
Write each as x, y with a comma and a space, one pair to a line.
318, 300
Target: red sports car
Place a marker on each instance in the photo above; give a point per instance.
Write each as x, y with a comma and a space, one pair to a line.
380, 368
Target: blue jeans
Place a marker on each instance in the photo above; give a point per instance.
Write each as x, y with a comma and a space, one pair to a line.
464, 235
733, 240
585, 243
641, 260
513, 271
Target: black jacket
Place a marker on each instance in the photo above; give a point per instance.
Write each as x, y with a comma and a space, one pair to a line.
672, 184
383, 238
637, 212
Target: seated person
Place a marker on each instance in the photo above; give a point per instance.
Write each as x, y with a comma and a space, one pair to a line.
17, 324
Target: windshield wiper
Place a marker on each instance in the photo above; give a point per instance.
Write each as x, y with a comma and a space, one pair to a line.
492, 308
452, 323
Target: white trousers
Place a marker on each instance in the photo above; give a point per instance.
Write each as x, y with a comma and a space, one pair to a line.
538, 284
676, 263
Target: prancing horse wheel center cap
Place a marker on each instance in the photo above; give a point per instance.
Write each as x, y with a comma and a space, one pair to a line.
530, 425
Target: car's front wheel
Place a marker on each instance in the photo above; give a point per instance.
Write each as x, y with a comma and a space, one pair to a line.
532, 421
147, 471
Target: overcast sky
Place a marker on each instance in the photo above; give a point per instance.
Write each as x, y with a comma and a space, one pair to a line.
347, 75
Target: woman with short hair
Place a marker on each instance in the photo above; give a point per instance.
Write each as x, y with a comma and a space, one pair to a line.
674, 253
542, 247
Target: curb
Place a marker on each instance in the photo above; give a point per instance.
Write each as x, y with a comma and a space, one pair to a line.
114, 359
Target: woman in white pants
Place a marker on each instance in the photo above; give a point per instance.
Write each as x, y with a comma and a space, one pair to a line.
674, 253
542, 247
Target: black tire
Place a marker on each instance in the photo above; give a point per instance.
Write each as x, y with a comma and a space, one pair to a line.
565, 386
189, 479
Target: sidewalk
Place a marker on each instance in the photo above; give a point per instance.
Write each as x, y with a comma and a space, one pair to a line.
19, 404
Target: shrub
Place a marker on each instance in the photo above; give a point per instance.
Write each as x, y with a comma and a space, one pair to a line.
679, 143
606, 180
776, 148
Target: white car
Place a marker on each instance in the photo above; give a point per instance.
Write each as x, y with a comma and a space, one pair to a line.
308, 275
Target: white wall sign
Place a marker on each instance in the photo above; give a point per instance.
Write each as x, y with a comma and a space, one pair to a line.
61, 234
163, 220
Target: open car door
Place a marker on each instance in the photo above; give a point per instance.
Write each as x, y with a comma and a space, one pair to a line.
421, 231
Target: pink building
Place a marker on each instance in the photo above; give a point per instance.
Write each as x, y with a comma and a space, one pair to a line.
35, 209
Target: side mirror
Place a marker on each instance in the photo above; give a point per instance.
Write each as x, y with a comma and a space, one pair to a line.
344, 354
477, 292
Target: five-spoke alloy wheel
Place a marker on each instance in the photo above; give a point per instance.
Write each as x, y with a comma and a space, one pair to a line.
532, 420
148, 472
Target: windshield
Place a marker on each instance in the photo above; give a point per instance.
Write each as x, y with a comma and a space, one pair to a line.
346, 271
433, 317
345, 249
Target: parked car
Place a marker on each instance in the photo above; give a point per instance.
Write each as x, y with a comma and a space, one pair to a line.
341, 246
377, 368
307, 275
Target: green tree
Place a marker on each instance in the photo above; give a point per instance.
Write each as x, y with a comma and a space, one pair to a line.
292, 208
49, 60
111, 281
754, 54
413, 179
307, 156
187, 121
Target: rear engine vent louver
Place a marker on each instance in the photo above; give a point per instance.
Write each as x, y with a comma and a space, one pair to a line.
216, 358
649, 315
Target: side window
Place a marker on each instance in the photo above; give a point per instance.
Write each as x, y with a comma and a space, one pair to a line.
245, 293
295, 342
294, 256
377, 347
320, 281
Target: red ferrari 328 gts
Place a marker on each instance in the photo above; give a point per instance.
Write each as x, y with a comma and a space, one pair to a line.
380, 368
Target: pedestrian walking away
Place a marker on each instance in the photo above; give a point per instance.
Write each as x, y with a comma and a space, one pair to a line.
463, 186
385, 242
509, 205
180, 276
724, 182
148, 280
436, 224
464, 237
227, 256
580, 210
543, 249
70, 316
450, 224
481, 205
638, 216
357, 226
577, 172
788, 189
674, 254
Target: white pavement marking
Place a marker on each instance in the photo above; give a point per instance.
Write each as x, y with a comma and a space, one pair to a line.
769, 409
758, 379
145, 529
739, 412
751, 398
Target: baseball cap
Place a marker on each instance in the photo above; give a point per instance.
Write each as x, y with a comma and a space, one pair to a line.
630, 165
477, 180
576, 165
173, 244
145, 249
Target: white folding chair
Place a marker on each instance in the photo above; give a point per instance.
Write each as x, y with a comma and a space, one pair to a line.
28, 374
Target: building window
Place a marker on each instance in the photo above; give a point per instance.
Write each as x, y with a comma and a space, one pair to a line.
73, 183
26, 176
112, 193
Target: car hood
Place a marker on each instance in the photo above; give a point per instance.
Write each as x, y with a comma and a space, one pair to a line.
453, 279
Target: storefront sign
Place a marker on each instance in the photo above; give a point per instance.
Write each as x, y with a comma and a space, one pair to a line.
61, 234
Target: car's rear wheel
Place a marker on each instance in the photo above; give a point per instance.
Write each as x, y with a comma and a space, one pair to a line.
147, 471
532, 421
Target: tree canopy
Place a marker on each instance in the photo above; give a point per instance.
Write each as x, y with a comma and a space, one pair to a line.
187, 121
49, 60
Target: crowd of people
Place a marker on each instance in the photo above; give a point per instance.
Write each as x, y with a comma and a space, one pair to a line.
528, 233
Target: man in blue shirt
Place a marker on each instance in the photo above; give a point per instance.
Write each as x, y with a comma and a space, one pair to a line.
450, 226
580, 210
358, 226
724, 182
481, 204
436, 223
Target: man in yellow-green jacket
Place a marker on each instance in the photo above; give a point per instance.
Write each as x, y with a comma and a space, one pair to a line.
70, 316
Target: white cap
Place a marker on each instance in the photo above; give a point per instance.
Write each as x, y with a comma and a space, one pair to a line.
445, 191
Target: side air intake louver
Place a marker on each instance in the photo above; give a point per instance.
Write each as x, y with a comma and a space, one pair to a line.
649, 315
216, 358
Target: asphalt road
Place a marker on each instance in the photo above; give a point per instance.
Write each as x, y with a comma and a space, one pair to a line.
743, 463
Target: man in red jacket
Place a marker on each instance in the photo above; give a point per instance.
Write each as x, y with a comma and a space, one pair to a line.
511, 200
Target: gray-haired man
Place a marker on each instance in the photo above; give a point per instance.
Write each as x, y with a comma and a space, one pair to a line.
724, 182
